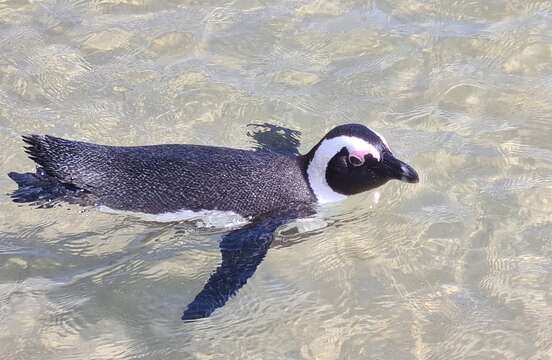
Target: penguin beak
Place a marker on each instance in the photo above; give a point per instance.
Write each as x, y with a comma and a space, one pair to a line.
399, 170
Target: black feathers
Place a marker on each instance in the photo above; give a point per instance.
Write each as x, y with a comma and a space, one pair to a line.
54, 155
168, 178
44, 189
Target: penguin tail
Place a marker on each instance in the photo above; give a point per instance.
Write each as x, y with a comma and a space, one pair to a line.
26, 179
42, 149
42, 189
52, 180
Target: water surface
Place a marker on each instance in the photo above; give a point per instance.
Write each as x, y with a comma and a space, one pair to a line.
456, 267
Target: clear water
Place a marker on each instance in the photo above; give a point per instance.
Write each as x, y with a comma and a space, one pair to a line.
456, 267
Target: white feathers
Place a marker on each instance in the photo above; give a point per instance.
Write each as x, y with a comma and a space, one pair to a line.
203, 218
383, 140
316, 170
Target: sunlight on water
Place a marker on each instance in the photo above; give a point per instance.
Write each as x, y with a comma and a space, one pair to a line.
455, 267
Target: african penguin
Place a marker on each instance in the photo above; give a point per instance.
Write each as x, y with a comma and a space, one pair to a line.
167, 179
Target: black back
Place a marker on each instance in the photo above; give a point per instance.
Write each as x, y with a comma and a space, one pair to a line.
167, 178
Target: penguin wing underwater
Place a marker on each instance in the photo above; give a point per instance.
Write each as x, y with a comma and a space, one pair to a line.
242, 252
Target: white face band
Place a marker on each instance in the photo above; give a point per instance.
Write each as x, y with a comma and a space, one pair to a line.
316, 170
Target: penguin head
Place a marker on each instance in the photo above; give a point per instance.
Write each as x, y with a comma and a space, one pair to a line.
351, 159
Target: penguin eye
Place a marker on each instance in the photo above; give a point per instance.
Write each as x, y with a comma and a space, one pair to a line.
355, 160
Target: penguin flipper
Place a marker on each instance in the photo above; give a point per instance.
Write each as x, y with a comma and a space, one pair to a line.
242, 252
274, 138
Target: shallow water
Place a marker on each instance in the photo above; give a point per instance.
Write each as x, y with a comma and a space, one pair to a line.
456, 267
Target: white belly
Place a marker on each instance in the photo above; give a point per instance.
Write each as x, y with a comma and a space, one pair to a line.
203, 218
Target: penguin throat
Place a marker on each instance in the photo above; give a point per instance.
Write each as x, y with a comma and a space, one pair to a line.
318, 165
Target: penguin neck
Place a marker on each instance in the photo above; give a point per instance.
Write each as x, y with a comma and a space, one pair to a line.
314, 169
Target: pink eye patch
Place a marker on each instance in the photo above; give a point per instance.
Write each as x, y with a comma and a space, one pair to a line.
360, 153
356, 158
